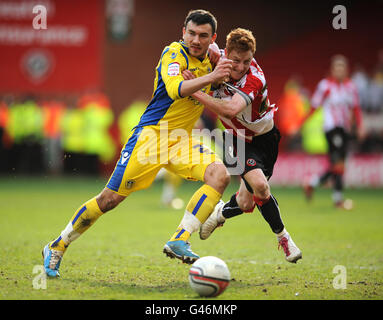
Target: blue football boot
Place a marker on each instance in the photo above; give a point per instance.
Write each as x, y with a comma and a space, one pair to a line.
52, 259
180, 249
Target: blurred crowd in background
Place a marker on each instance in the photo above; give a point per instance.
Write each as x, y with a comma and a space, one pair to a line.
70, 94
54, 135
84, 134
68, 135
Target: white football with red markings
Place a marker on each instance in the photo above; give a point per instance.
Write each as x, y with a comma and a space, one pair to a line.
209, 276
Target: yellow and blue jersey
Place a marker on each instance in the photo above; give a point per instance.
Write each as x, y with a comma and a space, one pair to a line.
147, 150
167, 104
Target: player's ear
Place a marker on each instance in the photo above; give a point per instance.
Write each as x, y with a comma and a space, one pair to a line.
213, 38
183, 32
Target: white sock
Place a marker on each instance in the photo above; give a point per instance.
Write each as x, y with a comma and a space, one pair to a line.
337, 196
282, 233
190, 223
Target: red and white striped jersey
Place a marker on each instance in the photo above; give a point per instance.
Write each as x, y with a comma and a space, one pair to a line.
339, 100
258, 117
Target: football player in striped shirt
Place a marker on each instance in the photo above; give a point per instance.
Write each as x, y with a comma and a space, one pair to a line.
244, 109
338, 96
159, 141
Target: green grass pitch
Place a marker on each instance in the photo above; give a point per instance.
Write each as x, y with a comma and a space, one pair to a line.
121, 257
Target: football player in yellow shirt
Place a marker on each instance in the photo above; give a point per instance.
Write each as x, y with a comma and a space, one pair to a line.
162, 139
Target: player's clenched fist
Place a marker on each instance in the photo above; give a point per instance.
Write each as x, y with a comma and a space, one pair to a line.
222, 70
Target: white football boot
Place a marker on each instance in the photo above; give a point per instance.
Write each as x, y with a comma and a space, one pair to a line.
292, 252
216, 219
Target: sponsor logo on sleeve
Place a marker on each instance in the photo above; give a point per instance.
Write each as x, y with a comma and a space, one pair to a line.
174, 69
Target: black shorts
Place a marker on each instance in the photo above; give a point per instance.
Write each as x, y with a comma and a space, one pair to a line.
261, 153
337, 140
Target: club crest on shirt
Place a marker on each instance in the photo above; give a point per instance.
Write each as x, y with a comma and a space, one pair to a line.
129, 184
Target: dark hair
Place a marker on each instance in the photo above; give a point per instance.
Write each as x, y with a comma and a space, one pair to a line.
199, 17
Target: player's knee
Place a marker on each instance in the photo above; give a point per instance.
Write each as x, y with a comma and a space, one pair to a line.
108, 200
217, 176
224, 177
261, 189
221, 175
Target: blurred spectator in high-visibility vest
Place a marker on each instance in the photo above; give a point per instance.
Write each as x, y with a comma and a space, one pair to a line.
53, 111
129, 117
5, 141
25, 121
72, 138
313, 138
98, 116
292, 107
3, 117
25, 127
85, 134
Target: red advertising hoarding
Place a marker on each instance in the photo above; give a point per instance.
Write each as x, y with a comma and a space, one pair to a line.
66, 56
362, 170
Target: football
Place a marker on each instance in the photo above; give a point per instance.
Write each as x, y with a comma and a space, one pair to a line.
209, 276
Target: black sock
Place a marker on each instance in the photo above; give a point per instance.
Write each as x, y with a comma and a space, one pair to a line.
231, 208
338, 182
270, 212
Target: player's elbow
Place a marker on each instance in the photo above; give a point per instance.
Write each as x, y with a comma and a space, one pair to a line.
230, 112
234, 106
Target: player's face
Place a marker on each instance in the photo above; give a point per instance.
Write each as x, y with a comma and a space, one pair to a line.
241, 63
339, 70
198, 38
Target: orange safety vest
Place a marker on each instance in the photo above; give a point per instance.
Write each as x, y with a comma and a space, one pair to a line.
291, 110
4, 115
53, 112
